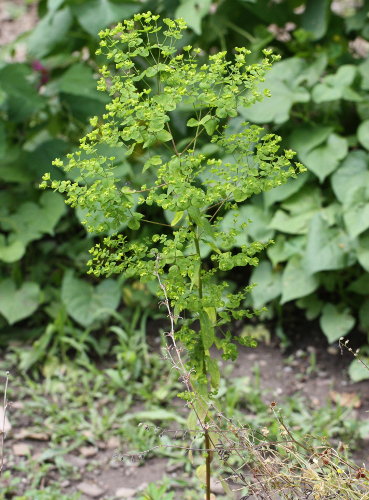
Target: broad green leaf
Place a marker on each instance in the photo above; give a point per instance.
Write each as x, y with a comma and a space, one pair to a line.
178, 216
11, 251
324, 159
86, 303
358, 371
78, 80
307, 199
201, 473
17, 304
362, 251
297, 280
337, 86
257, 219
268, 284
296, 224
335, 323
352, 173
312, 306
282, 81
207, 331
306, 138
364, 72
22, 99
363, 134
193, 11
356, 211
33, 220
315, 17
95, 15
364, 315
284, 247
361, 285
327, 248
213, 370
49, 32
280, 193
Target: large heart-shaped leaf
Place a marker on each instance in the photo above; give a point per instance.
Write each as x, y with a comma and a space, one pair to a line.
352, 173
17, 304
327, 248
85, 303
363, 134
335, 322
11, 251
334, 87
284, 85
193, 11
297, 280
268, 284
356, 211
94, 15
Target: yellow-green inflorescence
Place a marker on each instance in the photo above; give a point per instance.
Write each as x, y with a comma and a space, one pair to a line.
154, 82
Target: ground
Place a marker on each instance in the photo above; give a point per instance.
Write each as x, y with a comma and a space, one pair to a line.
81, 448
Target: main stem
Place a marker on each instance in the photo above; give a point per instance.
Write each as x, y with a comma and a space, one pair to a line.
208, 462
206, 432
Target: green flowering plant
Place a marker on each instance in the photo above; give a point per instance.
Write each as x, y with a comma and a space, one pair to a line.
154, 83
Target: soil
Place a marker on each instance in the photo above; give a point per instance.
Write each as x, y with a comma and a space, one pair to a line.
16, 18
280, 376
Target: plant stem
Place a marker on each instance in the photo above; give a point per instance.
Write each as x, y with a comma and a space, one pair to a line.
207, 463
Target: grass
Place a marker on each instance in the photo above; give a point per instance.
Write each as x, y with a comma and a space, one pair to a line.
78, 404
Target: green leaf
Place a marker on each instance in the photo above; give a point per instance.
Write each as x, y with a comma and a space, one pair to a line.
211, 125
163, 135
193, 11
86, 303
298, 224
324, 159
336, 86
17, 304
363, 134
95, 15
268, 284
356, 211
11, 251
312, 306
357, 371
257, 219
361, 285
49, 32
213, 370
284, 85
327, 248
158, 414
178, 216
315, 17
31, 221
362, 251
297, 280
284, 248
78, 80
22, 98
207, 331
352, 173
280, 193
192, 122
335, 323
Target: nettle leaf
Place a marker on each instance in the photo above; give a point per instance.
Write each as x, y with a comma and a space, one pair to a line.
86, 303
193, 11
17, 304
352, 173
297, 280
319, 150
327, 248
285, 88
335, 322
363, 134
337, 86
49, 32
95, 15
268, 284
356, 211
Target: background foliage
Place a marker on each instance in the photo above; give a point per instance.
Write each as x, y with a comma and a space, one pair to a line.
320, 221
